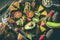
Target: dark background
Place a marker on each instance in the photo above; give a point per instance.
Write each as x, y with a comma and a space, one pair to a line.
56, 33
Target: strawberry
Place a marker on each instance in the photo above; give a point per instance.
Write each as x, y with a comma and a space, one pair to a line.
42, 23
28, 19
51, 13
42, 37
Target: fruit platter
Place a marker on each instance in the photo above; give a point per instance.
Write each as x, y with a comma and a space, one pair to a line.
30, 20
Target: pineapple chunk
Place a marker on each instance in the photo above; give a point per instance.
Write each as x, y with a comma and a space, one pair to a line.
12, 8
17, 4
42, 29
41, 8
44, 13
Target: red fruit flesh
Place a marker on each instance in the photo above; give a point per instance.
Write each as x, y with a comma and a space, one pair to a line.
42, 23
51, 13
28, 19
42, 37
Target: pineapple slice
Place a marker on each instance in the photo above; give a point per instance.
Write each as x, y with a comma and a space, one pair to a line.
42, 29
40, 8
44, 13
16, 4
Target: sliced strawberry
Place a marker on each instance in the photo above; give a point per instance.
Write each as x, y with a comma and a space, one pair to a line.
51, 13
28, 19
42, 23
42, 37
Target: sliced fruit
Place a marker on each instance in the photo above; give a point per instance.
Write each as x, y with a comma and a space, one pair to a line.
12, 8
27, 7
44, 13
36, 20
42, 23
17, 14
51, 13
17, 4
28, 19
33, 4
30, 14
53, 25
10, 20
21, 21
37, 14
42, 37
40, 8
20, 36
30, 25
42, 29
18, 22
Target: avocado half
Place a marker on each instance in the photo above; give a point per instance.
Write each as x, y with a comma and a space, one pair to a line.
30, 25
